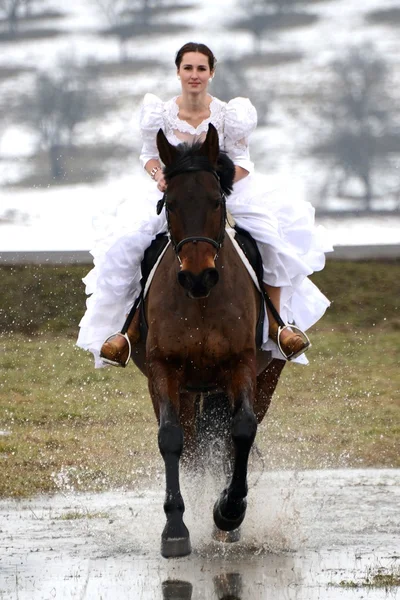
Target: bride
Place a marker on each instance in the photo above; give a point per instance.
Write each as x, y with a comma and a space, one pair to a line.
291, 247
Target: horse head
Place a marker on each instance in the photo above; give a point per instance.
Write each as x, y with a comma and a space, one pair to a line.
197, 181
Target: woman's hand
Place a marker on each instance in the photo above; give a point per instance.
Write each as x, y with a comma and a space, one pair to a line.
160, 180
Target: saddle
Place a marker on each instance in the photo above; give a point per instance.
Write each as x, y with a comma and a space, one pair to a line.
249, 249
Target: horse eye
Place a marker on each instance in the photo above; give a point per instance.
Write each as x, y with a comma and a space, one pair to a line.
170, 206
217, 203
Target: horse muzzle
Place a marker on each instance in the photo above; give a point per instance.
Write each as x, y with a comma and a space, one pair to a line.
198, 286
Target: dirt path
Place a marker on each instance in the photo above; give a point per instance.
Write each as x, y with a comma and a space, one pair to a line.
304, 534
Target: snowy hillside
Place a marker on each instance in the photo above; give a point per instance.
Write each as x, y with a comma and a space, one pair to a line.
67, 217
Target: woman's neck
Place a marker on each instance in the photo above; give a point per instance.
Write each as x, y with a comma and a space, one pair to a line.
194, 103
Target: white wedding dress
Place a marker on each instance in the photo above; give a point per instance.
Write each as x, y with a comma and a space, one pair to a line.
291, 246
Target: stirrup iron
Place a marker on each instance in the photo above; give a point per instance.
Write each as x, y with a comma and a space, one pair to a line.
114, 363
305, 337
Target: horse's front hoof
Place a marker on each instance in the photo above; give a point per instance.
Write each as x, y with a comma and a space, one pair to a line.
227, 537
175, 547
234, 520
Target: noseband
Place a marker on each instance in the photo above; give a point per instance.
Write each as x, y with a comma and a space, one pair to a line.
217, 244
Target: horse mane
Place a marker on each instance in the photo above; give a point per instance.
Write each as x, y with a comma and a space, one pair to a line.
189, 159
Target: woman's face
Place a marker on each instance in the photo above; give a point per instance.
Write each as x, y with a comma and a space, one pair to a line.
194, 72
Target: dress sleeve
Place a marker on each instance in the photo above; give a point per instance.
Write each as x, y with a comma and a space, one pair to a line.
151, 120
240, 121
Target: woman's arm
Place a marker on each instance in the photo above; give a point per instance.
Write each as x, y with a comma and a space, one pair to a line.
240, 120
154, 169
240, 173
151, 164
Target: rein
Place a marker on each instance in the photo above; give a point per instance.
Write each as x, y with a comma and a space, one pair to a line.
217, 244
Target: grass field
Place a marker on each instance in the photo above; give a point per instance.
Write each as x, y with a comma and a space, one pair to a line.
64, 425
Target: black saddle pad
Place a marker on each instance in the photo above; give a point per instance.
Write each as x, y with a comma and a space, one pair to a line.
152, 255
249, 247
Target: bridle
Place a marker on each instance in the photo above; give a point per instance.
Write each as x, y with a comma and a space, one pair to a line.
216, 243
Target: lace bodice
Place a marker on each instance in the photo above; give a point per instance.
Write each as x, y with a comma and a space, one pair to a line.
234, 121
184, 131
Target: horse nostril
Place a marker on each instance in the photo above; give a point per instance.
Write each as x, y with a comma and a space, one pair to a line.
185, 278
210, 278
198, 286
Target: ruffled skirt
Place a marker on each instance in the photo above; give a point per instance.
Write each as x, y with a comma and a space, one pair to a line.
291, 247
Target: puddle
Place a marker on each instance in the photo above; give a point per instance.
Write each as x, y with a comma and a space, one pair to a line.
305, 532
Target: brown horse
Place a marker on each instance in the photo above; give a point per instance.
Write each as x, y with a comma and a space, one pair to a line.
201, 310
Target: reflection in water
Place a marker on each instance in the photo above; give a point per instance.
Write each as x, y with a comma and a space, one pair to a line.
318, 529
175, 589
227, 586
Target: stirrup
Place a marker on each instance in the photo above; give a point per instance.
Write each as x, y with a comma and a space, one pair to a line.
115, 363
305, 337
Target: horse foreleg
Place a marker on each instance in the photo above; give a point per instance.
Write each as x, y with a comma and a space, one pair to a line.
266, 384
175, 539
187, 416
230, 508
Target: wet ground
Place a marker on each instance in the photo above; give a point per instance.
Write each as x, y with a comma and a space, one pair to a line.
307, 535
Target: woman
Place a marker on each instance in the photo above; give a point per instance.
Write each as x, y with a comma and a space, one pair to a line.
289, 243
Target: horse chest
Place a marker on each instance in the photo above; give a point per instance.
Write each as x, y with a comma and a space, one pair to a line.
202, 345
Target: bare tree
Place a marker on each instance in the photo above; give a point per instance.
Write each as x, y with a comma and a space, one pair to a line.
10, 10
231, 81
60, 101
274, 6
127, 19
130, 19
359, 119
13, 11
113, 11
142, 10
269, 15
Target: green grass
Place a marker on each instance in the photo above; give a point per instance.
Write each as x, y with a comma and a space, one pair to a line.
67, 426
37, 299
376, 579
71, 426
343, 410
75, 515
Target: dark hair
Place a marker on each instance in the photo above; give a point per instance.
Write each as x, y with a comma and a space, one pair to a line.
193, 47
188, 156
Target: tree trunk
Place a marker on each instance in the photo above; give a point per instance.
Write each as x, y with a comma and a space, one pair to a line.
27, 8
257, 42
56, 162
368, 192
13, 19
123, 55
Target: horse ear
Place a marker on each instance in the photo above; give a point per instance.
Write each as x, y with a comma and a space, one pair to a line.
167, 151
210, 146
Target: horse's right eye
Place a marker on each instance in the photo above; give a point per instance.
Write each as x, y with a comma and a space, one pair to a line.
217, 204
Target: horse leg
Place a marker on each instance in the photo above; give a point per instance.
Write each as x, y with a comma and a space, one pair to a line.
230, 508
267, 381
164, 390
188, 406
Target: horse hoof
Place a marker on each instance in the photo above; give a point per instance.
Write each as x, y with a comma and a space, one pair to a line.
224, 523
174, 589
227, 537
175, 547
